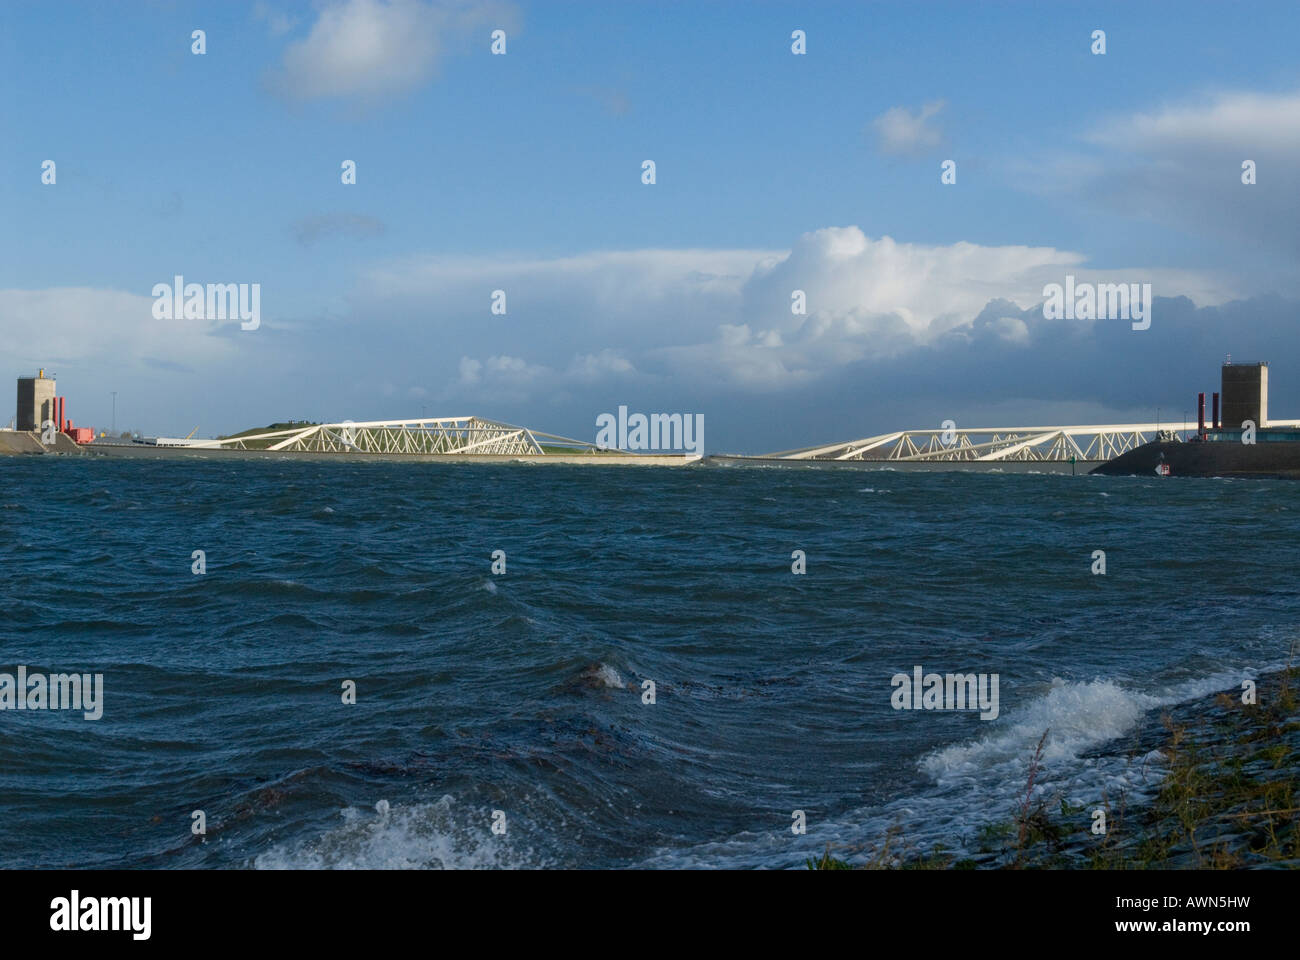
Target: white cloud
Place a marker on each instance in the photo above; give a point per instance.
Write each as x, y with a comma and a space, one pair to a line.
1240, 122
470, 370
376, 47
737, 358
500, 369
900, 131
1181, 166
853, 281
722, 318
77, 325
590, 367
511, 368
654, 324
1012, 329
624, 300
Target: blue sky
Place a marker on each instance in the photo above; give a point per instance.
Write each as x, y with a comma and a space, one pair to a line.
523, 172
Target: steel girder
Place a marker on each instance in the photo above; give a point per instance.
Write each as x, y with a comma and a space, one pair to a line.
1085, 442
442, 435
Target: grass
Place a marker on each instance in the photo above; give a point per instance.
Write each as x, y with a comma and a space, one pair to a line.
263, 444
577, 451
1229, 798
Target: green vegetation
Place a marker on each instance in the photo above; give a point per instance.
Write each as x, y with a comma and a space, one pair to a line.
273, 428
552, 450
1229, 798
891, 855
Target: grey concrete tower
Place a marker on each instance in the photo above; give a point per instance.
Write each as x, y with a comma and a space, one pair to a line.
1245, 394
35, 402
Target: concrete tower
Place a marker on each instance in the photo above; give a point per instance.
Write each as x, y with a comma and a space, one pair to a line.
35, 402
1245, 394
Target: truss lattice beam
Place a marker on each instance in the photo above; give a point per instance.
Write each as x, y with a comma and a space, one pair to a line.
442, 435
1083, 442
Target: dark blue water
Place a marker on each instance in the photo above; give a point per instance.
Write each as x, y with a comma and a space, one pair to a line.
522, 693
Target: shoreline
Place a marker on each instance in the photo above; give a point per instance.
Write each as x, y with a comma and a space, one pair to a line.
144, 451
1228, 798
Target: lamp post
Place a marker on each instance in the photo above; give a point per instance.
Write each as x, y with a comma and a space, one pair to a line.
114, 430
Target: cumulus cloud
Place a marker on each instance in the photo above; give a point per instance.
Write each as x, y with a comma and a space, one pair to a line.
902, 131
375, 47
500, 369
469, 370
590, 367
864, 286
719, 317
704, 330
875, 299
723, 318
503, 375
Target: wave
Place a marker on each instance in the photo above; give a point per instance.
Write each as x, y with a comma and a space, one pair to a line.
421, 836
969, 785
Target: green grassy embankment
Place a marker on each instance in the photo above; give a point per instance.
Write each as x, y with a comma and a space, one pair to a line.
1229, 798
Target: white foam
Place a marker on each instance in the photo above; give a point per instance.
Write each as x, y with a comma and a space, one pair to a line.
424, 836
983, 781
606, 676
1075, 716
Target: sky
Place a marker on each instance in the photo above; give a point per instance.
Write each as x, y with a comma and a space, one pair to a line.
523, 172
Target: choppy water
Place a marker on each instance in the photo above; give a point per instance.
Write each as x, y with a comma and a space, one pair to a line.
523, 692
